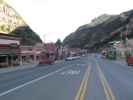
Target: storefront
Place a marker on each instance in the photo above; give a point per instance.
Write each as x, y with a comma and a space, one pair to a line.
30, 54
9, 50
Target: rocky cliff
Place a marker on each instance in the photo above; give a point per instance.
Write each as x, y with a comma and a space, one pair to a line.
101, 30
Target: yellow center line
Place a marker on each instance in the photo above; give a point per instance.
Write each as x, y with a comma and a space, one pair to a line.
83, 86
82, 97
106, 87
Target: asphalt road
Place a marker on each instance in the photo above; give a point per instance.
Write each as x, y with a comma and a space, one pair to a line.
88, 78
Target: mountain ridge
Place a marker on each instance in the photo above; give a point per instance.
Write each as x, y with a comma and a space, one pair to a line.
12, 23
107, 30
9, 18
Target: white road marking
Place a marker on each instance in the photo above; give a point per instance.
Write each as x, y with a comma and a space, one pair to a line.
33, 81
70, 72
80, 64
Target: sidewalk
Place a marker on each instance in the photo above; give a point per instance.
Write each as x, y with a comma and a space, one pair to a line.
58, 61
121, 61
21, 67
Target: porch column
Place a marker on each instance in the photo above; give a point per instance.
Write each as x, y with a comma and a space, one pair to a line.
34, 58
20, 60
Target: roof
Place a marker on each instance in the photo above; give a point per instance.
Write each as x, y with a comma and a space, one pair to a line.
30, 50
8, 36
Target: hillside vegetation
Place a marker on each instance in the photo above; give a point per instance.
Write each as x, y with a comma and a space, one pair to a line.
101, 30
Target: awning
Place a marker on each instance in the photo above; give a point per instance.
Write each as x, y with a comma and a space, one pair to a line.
11, 54
3, 55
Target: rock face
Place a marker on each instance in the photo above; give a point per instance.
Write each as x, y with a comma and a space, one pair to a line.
101, 30
9, 19
12, 23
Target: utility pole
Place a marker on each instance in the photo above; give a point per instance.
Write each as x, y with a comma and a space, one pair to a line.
126, 38
125, 41
44, 38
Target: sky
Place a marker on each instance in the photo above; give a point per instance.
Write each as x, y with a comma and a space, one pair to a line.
53, 19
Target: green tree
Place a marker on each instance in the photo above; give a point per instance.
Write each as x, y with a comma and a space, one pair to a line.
58, 43
27, 35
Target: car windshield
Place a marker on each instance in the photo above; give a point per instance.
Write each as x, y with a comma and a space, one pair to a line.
66, 49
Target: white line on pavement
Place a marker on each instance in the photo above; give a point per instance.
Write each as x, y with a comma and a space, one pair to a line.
33, 81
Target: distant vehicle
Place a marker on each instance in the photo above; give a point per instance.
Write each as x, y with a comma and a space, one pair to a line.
69, 58
111, 53
129, 57
83, 55
46, 61
72, 58
130, 60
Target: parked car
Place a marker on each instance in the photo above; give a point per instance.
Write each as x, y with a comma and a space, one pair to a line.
83, 55
72, 58
129, 57
46, 61
130, 60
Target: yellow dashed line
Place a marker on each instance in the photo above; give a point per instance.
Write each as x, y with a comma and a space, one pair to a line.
83, 86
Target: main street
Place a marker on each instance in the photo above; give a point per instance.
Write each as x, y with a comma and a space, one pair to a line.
87, 78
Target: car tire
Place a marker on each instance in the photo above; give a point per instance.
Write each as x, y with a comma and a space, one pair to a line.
128, 64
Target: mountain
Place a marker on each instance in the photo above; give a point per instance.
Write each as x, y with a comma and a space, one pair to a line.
28, 36
9, 19
101, 30
12, 23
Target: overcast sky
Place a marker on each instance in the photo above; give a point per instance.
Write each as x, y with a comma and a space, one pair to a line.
55, 19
